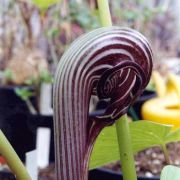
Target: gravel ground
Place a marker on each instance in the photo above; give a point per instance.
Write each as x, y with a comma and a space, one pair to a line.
151, 161
148, 162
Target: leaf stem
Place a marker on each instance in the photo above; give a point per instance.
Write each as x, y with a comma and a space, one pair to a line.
12, 159
122, 125
166, 154
30, 106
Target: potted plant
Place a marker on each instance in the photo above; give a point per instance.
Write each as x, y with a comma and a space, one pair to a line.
26, 75
123, 136
20, 99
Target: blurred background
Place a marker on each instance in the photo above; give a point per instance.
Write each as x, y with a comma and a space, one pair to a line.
42, 30
35, 33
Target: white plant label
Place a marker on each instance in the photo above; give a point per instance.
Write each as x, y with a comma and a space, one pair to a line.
31, 164
46, 99
43, 146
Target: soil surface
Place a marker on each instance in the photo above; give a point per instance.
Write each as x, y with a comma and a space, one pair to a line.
47, 173
148, 162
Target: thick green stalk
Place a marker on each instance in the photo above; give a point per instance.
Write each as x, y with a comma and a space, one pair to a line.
122, 126
12, 159
125, 149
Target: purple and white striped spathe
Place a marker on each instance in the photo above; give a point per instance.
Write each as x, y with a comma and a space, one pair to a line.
110, 62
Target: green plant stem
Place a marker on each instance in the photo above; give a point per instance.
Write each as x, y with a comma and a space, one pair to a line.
122, 125
125, 149
166, 154
31, 107
104, 13
12, 159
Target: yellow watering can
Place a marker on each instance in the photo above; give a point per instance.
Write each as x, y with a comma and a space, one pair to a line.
165, 108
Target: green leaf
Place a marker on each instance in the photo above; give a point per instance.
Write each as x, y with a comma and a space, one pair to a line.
82, 15
105, 149
173, 136
30, 81
144, 134
147, 134
131, 14
54, 32
170, 173
8, 74
46, 77
151, 86
44, 4
23, 93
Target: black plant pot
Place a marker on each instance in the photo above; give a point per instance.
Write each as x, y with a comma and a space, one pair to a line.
147, 95
13, 115
105, 174
10, 104
36, 121
6, 176
24, 132
22, 138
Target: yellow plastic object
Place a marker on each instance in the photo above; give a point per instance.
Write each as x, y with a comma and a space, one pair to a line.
174, 81
165, 108
160, 84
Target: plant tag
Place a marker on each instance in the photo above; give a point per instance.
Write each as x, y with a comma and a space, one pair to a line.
43, 146
31, 164
46, 99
